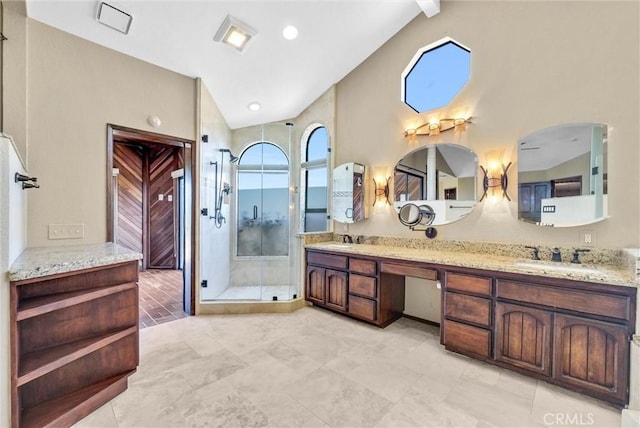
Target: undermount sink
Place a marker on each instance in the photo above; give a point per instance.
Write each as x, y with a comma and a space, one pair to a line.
337, 245
558, 267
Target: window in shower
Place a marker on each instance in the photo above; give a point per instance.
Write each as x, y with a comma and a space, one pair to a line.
315, 151
263, 202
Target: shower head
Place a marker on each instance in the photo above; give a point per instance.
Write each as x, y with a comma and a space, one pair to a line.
232, 158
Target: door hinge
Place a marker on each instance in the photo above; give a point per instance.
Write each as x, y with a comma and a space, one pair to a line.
203, 283
204, 211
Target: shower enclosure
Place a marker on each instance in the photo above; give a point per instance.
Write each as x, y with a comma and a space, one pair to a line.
257, 261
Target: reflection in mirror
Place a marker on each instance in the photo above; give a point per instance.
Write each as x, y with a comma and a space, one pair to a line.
562, 175
442, 176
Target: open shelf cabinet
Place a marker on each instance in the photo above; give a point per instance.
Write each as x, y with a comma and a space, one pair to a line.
74, 343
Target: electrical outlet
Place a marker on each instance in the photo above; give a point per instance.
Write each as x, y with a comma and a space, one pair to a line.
587, 237
66, 231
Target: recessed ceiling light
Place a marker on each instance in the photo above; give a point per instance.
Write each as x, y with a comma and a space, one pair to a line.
114, 18
290, 32
234, 33
254, 106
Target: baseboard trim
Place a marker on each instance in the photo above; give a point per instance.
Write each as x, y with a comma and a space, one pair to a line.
422, 320
246, 307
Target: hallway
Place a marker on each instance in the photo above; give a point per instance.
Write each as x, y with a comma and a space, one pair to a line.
160, 296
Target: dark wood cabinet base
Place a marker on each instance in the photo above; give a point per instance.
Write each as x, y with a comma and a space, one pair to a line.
74, 343
571, 333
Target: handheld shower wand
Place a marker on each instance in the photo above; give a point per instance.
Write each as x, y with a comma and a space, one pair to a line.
223, 189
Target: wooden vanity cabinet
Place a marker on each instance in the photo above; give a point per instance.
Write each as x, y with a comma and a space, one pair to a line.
572, 333
354, 286
467, 314
326, 285
74, 342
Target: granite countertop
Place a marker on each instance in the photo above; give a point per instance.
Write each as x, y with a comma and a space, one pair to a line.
43, 261
581, 272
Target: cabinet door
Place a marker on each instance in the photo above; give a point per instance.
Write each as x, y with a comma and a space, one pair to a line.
592, 355
524, 337
336, 290
315, 284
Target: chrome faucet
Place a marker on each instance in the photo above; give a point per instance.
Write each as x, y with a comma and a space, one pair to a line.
556, 256
347, 239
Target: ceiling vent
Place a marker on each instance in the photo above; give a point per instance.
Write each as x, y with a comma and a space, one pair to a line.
235, 33
114, 18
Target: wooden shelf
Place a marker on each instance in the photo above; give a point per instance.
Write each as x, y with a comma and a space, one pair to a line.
33, 307
39, 363
65, 410
74, 343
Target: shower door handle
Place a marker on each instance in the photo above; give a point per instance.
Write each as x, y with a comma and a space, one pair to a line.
255, 212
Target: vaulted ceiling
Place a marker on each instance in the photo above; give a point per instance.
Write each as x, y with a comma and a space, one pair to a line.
284, 76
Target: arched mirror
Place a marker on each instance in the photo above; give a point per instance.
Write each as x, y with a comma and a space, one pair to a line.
562, 175
442, 177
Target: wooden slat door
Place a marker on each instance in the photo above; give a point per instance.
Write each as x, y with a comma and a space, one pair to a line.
162, 248
130, 161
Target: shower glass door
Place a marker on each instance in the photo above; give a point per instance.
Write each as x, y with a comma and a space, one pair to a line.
262, 250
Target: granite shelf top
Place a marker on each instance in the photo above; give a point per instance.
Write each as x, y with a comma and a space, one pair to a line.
581, 272
42, 261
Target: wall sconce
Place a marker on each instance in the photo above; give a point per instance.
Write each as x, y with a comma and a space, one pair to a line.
493, 179
381, 192
436, 127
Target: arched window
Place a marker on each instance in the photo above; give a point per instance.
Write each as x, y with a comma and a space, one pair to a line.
314, 175
263, 201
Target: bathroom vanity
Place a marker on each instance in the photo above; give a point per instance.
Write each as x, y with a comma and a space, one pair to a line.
74, 331
571, 328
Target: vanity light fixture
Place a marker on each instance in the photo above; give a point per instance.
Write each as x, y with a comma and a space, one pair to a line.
436, 127
235, 33
381, 192
493, 179
114, 18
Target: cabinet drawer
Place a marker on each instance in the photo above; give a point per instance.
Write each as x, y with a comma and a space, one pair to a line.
467, 339
362, 285
368, 267
469, 283
362, 307
575, 300
329, 260
468, 308
409, 270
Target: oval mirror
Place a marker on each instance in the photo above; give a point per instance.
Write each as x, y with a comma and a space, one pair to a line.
562, 175
442, 177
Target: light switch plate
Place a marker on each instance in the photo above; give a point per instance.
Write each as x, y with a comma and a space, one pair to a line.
66, 231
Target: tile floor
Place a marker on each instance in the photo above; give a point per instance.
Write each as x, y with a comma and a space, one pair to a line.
160, 296
313, 368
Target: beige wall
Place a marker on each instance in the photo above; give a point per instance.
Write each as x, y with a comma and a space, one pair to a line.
533, 65
75, 88
14, 74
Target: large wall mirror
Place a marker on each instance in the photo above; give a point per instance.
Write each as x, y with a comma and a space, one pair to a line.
562, 175
442, 177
